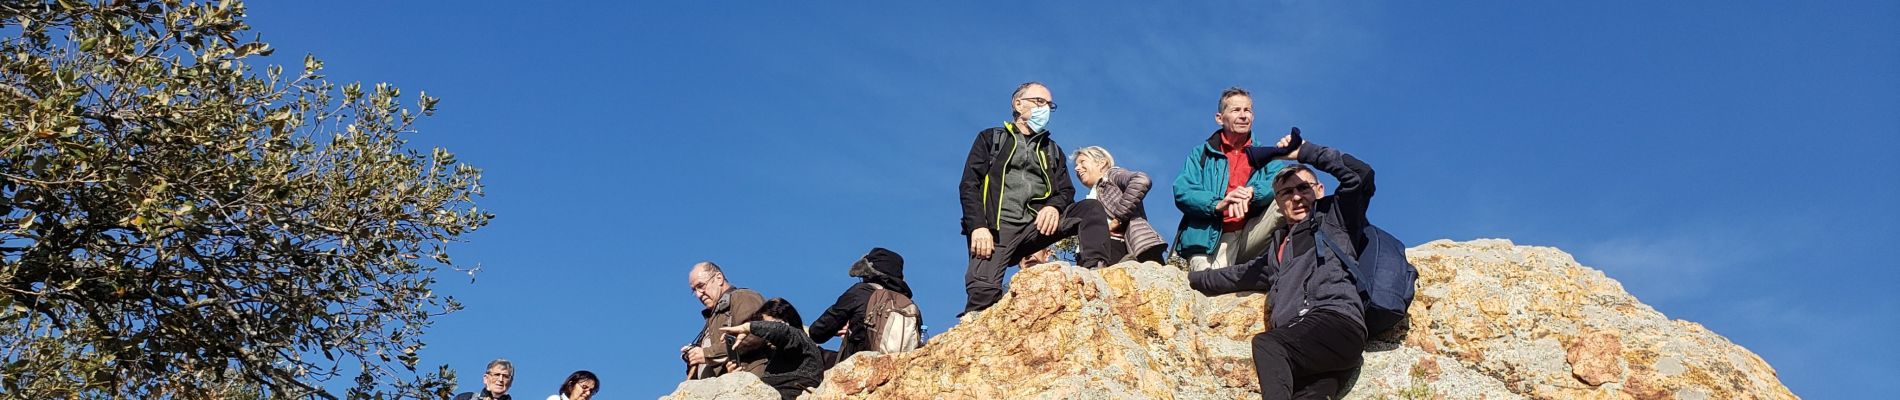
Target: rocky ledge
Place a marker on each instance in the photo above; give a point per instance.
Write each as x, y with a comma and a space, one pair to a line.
1492, 320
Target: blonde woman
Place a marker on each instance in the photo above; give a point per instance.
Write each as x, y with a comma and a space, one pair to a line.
1121, 191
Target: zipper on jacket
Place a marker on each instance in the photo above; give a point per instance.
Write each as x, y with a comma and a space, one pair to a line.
1048, 185
1004, 186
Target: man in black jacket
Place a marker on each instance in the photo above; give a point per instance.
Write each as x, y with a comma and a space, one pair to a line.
1315, 313
880, 268
1017, 199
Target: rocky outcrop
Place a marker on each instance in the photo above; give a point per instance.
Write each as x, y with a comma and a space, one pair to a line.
1491, 320
739, 386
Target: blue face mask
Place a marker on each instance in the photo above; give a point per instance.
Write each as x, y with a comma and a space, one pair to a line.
1038, 118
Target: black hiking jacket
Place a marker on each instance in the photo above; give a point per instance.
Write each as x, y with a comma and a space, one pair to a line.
983, 186
880, 267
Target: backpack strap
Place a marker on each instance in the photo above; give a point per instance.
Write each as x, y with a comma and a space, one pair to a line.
1351, 263
996, 139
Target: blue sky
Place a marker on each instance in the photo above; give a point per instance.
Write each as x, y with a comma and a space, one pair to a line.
1730, 163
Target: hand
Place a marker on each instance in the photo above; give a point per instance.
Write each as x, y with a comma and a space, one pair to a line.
1291, 139
1047, 220
1114, 225
1036, 258
695, 356
981, 243
740, 332
846, 330
1237, 201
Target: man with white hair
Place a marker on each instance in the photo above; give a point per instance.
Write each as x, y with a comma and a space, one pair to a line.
495, 382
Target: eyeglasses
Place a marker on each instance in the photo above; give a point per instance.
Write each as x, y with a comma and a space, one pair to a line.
1040, 101
702, 284
1302, 188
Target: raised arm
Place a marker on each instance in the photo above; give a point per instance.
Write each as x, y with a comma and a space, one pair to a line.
778, 334
1354, 195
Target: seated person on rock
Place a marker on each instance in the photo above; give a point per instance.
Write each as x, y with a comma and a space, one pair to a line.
754, 356
1121, 192
709, 354
792, 362
880, 269
1314, 312
1223, 194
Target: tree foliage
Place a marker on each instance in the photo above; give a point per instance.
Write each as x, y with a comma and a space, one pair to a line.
175, 223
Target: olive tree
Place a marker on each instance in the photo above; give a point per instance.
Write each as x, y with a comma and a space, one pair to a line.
181, 220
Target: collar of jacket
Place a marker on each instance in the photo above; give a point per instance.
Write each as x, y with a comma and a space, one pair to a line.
1212, 147
1106, 174
724, 303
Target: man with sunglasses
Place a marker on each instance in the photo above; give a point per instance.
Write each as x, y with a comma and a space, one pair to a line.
1018, 200
726, 306
1315, 314
1223, 195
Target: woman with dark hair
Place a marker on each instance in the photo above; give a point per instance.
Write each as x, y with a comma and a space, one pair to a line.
793, 361
777, 309
580, 385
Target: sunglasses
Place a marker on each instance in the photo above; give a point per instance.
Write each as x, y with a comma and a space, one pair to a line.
1302, 188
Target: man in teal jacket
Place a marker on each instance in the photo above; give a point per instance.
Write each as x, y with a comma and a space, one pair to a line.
1225, 200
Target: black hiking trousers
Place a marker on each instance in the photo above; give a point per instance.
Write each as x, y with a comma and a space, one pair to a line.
1085, 220
1309, 358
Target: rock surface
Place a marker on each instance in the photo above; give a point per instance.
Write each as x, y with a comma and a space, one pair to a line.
740, 386
1491, 320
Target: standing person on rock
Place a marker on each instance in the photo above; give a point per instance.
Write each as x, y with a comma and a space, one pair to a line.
1121, 192
1017, 199
1314, 310
726, 306
1225, 199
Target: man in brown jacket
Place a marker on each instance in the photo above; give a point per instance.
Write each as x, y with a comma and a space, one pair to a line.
726, 306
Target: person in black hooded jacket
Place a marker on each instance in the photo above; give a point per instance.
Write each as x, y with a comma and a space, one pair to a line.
878, 268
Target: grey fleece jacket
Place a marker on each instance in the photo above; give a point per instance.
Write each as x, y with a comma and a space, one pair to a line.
1298, 278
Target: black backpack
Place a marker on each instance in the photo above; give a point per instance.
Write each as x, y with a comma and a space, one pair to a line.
1386, 280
